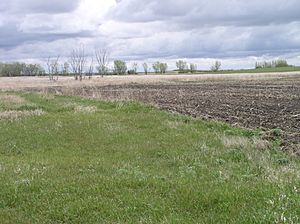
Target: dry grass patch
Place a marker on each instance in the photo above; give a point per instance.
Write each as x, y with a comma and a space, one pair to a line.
79, 108
235, 142
9, 99
173, 124
244, 142
16, 115
46, 95
85, 109
261, 144
256, 150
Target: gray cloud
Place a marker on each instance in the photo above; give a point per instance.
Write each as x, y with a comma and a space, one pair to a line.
12, 37
208, 12
143, 29
38, 6
16, 12
206, 28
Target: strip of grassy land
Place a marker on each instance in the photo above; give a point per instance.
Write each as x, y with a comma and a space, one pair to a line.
258, 70
84, 161
262, 70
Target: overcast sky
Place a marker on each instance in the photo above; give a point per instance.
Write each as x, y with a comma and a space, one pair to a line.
238, 32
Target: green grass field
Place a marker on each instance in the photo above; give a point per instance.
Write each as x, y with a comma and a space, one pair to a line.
262, 70
259, 70
73, 160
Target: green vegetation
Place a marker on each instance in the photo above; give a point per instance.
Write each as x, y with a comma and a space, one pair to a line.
280, 63
159, 67
79, 65
120, 67
258, 70
85, 161
182, 66
20, 69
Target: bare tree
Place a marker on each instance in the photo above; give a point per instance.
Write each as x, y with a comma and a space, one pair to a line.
65, 68
78, 61
103, 59
91, 68
74, 66
216, 66
134, 68
53, 67
146, 68
49, 68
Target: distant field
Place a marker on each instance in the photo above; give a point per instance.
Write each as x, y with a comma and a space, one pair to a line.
73, 160
13, 83
259, 70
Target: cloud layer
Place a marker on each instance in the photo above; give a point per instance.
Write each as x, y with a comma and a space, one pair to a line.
152, 29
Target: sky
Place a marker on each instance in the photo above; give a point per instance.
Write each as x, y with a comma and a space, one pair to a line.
236, 32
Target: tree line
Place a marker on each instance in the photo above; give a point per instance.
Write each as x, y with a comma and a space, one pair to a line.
280, 63
20, 69
79, 64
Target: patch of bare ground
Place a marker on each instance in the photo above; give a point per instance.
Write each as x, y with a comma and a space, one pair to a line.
13, 115
270, 103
